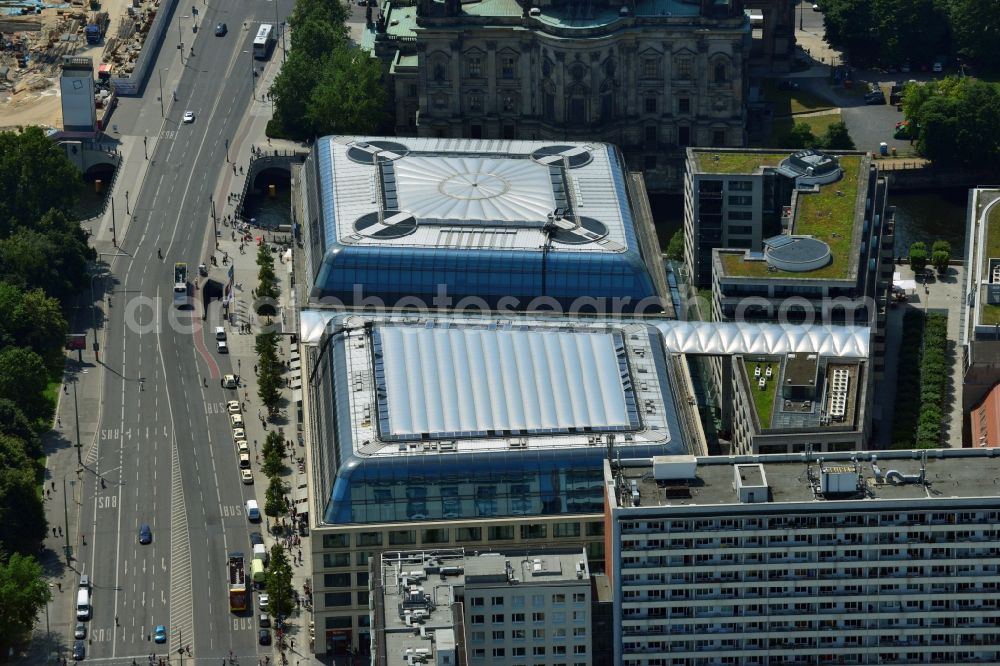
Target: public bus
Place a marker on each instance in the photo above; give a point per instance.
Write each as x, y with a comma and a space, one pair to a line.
264, 42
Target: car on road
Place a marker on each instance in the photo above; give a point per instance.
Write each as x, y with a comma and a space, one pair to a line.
244, 461
253, 513
188, 117
220, 333
875, 97
236, 420
80, 631
262, 601
222, 347
85, 581
221, 29
238, 434
160, 634
815, 7
242, 447
229, 382
246, 476
265, 621
233, 406
264, 636
256, 538
79, 650
145, 534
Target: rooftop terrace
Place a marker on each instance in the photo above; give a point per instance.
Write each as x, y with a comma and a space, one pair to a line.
828, 215
949, 473
990, 314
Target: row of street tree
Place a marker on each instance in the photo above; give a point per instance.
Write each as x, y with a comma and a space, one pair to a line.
957, 121
43, 263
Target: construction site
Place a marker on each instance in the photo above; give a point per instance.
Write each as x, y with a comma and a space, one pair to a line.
36, 35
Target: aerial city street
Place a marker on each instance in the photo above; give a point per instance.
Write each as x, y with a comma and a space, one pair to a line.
526, 333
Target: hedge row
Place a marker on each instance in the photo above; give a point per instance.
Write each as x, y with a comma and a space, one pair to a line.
933, 381
904, 429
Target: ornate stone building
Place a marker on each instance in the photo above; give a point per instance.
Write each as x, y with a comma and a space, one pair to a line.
650, 76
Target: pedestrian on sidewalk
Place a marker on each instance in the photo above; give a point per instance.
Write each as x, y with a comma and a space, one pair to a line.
58, 422
65, 388
59, 586
53, 485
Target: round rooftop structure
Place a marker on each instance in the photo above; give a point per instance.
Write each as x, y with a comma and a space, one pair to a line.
796, 254
811, 167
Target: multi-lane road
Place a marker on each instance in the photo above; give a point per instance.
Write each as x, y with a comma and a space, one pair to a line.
165, 450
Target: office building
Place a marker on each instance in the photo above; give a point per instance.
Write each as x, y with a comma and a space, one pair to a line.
805, 559
478, 225
449, 607
649, 77
981, 325
444, 432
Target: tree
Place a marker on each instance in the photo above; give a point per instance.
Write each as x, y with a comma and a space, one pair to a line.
13, 422
22, 516
941, 255
909, 29
290, 92
849, 27
274, 498
675, 250
918, 256
13, 454
837, 137
273, 442
23, 379
35, 176
34, 320
49, 259
23, 593
975, 25
278, 581
349, 96
274, 463
801, 136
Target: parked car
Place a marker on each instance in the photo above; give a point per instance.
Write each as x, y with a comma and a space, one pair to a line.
229, 382
264, 636
875, 98
253, 515
236, 420
79, 650
246, 476
222, 347
265, 621
262, 601
80, 631
233, 406
238, 434
256, 538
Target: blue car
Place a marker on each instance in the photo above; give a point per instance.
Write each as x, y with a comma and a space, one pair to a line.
145, 535
160, 634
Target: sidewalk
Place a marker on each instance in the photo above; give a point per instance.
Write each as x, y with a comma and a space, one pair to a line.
251, 134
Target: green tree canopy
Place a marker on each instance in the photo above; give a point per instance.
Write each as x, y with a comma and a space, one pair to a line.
23, 378
23, 593
22, 516
278, 581
53, 260
675, 250
801, 136
33, 320
349, 97
274, 498
35, 176
13, 422
837, 137
975, 25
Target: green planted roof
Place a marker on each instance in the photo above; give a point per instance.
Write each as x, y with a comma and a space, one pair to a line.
827, 215
763, 398
733, 162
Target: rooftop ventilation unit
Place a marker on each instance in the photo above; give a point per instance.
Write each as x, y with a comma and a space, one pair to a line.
750, 483
838, 480
675, 468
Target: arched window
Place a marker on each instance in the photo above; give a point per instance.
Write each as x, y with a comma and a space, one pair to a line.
720, 72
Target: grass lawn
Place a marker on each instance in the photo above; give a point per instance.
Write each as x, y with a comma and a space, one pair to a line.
744, 161
790, 102
989, 314
763, 399
993, 234
818, 124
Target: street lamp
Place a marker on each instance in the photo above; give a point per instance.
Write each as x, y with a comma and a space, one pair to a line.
160, 72
180, 39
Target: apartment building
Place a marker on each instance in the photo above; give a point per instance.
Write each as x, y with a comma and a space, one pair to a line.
448, 607
981, 328
804, 559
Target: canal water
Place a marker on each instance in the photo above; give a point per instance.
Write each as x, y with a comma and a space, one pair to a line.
925, 216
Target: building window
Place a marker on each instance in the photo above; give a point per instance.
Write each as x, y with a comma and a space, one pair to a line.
478, 619
517, 634
579, 598
538, 617
338, 622
558, 598
508, 64
439, 73
469, 534
499, 652
538, 650
740, 215
501, 533
518, 651
517, 618
684, 68
720, 73
549, 105
649, 162
336, 560
650, 68
499, 618
740, 185
412, 90
508, 103
566, 530
402, 537
440, 102
361, 558
740, 229
595, 529
683, 136
740, 200
509, 132
534, 531
363, 598
475, 103
579, 632
336, 599
517, 601
538, 634
538, 601
477, 602
369, 539
579, 649
337, 580
436, 535
719, 138
477, 636
499, 636
650, 104
336, 541
479, 653
683, 105
496, 601
474, 66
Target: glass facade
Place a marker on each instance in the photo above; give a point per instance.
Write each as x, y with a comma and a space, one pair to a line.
433, 485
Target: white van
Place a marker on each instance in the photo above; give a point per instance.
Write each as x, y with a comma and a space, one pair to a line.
83, 604
253, 511
260, 553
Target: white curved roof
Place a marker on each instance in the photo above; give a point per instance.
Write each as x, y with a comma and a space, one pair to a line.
689, 337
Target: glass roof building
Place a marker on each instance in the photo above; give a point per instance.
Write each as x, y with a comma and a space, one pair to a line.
466, 418
504, 225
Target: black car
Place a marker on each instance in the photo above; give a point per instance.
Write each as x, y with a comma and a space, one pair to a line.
145, 535
265, 621
221, 29
256, 539
264, 636
79, 650
874, 98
